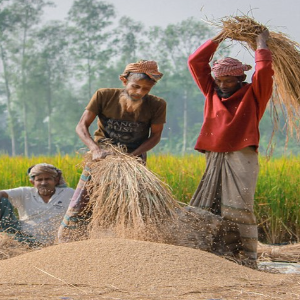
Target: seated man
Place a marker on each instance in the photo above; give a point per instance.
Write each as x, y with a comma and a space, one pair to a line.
40, 208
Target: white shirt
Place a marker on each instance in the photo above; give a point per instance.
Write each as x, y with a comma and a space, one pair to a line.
37, 218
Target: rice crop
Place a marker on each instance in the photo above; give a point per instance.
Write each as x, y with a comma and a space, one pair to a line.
181, 173
127, 197
14, 169
277, 201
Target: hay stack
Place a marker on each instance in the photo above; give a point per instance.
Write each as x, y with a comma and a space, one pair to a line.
126, 197
286, 65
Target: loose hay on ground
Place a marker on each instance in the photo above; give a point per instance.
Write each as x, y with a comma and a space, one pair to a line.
283, 253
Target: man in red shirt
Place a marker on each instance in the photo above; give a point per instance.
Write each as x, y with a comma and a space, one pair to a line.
229, 135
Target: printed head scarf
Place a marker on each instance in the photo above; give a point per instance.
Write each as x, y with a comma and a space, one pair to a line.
229, 67
47, 168
148, 67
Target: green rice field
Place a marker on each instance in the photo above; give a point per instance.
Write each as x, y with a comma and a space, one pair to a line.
277, 198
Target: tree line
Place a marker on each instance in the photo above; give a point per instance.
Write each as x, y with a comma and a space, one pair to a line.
49, 71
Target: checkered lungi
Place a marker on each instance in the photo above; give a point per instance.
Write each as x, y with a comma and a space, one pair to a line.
227, 188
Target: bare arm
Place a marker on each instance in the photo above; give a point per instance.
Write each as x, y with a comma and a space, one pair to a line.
82, 129
152, 141
3, 194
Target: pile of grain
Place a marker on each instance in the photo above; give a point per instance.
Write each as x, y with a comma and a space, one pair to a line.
128, 269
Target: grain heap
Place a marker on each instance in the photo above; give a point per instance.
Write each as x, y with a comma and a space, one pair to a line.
131, 270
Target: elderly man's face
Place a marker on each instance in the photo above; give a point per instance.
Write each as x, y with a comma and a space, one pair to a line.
135, 89
45, 183
138, 88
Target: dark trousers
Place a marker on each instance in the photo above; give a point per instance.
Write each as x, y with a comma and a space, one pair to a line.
10, 225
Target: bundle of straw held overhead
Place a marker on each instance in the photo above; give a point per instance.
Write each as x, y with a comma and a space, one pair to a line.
127, 198
286, 65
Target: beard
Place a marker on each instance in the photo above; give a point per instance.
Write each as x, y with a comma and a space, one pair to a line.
129, 105
44, 191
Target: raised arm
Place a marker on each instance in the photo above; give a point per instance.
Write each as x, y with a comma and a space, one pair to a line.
198, 63
262, 79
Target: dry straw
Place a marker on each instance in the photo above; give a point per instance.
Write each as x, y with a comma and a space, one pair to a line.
125, 195
287, 253
286, 65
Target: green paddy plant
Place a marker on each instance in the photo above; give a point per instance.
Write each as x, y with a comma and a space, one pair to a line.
13, 169
278, 200
277, 197
181, 173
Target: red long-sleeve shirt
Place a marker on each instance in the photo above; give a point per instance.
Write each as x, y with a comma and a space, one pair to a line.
231, 124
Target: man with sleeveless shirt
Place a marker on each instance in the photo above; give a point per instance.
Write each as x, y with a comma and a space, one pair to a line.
129, 117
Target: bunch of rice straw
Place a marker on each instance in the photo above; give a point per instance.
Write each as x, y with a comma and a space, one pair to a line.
286, 65
127, 197
286, 253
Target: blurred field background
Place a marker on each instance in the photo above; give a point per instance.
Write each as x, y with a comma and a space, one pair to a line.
277, 198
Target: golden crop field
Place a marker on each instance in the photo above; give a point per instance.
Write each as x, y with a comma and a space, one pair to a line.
277, 195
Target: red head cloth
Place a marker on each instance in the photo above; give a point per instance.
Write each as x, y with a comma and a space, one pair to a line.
148, 67
229, 67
